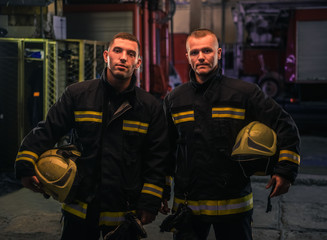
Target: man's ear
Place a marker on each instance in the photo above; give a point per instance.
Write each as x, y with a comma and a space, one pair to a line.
219, 53
106, 56
188, 59
138, 64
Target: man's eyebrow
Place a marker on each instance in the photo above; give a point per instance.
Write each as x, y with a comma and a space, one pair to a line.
206, 48
127, 50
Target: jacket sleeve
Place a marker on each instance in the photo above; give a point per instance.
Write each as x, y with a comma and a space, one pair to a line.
44, 136
172, 136
155, 161
267, 111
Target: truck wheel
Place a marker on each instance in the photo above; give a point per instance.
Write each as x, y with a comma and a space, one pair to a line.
270, 87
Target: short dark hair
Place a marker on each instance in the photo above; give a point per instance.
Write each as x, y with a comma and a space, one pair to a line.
201, 32
127, 36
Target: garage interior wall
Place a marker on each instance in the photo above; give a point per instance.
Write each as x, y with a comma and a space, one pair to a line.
95, 25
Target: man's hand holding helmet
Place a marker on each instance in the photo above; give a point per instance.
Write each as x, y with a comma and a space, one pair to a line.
32, 183
55, 173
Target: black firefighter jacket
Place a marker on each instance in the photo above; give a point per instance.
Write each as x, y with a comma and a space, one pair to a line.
204, 121
127, 167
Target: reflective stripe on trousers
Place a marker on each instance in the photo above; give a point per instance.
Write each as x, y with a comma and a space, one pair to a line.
218, 207
79, 209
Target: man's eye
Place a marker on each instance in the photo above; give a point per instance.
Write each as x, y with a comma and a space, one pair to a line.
117, 50
207, 51
193, 53
131, 54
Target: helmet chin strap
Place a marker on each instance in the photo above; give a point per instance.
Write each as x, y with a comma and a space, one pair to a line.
269, 206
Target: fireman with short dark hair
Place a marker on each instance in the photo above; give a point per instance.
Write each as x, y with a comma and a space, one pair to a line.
205, 116
122, 130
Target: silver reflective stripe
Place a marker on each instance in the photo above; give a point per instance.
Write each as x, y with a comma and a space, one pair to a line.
111, 221
78, 208
112, 218
218, 207
286, 155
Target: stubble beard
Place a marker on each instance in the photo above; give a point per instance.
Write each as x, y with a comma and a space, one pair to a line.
119, 76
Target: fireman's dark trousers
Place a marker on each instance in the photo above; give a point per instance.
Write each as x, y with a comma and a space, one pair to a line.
238, 229
83, 229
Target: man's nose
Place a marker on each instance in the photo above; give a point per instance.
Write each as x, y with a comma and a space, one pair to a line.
123, 57
201, 56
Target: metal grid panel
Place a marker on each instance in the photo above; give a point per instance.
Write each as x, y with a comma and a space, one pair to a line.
100, 63
79, 60
73, 66
89, 61
93, 57
58, 64
63, 55
51, 81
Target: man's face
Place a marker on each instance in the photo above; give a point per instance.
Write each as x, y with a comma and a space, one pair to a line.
203, 54
122, 58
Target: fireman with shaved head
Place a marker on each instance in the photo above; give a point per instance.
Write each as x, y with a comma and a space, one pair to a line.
205, 117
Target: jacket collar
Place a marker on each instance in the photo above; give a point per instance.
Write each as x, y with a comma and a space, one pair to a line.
212, 79
128, 93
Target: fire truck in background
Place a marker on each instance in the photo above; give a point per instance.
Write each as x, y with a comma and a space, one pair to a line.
281, 46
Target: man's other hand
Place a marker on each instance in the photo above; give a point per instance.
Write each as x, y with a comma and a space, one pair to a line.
32, 183
280, 185
164, 207
145, 217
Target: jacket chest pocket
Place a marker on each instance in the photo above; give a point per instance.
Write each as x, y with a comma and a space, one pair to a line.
134, 133
87, 122
184, 122
227, 121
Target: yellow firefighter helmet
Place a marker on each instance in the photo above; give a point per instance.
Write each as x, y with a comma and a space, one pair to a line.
56, 170
255, 149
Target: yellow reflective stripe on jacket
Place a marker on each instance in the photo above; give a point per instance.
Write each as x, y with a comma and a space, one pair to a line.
218, 207
135, 126
88, 116
27, 156
112, 218
152, 189
228, 112
286, 155
78, 208
187, 116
